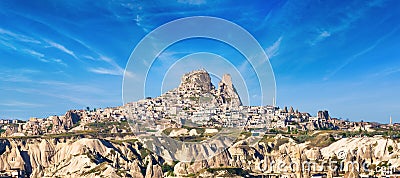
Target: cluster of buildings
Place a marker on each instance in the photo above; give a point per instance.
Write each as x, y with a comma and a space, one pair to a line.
166, 112
160, 116
196, 102
170, 111
73, 120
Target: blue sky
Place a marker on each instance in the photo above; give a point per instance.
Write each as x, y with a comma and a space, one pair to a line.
342, 56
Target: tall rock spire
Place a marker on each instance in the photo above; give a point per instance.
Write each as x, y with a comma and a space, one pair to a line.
227, 92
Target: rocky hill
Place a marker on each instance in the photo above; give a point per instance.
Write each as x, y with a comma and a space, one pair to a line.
197, 84
197, 80
70, 145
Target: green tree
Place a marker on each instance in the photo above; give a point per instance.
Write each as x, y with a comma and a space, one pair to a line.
390, 148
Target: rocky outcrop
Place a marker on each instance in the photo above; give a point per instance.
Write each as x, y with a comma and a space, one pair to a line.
153, 170
197, 80
227, 93
11, 157
264, 158
70, 119
198, 83
66, 122
85, 157
75, 158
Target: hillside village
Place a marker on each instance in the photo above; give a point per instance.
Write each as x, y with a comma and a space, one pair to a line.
271, 117
191, 110
195, 99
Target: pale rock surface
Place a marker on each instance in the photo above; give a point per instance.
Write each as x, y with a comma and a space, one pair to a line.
227, 93
71, 157
178, 132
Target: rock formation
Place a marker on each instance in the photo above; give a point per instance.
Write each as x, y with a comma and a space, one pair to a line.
71, 157
197, 80
227, 93
198, 83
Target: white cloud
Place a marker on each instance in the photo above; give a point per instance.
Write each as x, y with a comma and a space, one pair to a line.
346, 21
59, 61
273, 50
363, 52
138, 21
19, 37
192, 2
62, 48
322, 34
89, 57
386, 72
9, 45
20, 104
101, 70
117, 70
35, 54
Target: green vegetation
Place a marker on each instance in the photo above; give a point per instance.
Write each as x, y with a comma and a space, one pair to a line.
167, 131
142, 150
70, 134
50, 127
245, 134
267, 139
99, 168
272, 131
192, 98
120, 142
191, 175
372, 167
322, 140
190, 138
105, 127
169, 169
390, 149
384, 164
75, 125
231, 171
187, 138
303, 138
383, 132
280, 142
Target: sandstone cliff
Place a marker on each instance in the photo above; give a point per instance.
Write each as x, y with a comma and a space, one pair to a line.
73, 157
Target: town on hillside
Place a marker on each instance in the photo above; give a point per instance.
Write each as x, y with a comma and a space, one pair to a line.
106, 141
195, 101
